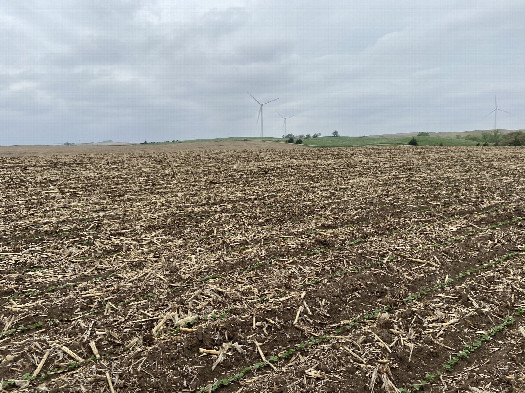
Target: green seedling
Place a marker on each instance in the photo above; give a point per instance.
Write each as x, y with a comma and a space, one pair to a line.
210, 277
468, 351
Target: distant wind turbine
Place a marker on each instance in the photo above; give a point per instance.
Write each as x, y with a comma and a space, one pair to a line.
284, 124
261, 111
495, 111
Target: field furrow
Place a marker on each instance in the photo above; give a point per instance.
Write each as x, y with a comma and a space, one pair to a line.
265, 270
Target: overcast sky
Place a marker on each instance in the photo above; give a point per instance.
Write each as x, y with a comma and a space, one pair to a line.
131, 70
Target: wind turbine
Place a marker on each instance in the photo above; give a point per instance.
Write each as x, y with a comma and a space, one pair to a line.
495, 111
284, 117
261, 111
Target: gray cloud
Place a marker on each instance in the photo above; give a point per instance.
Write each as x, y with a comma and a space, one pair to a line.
160, 70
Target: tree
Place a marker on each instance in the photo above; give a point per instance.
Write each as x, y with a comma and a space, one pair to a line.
496, 137
335, 133
413, 141
492, 137
516, 138
474, 137
516, 142
316, 135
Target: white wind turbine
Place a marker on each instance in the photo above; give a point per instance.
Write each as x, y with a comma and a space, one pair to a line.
261, 111
495, 111
284, 124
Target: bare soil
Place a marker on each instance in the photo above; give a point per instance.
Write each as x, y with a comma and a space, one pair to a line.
262, 267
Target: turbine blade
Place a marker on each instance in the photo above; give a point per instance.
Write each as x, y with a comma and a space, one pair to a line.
501, 110
258, 115
254, 98
267, 102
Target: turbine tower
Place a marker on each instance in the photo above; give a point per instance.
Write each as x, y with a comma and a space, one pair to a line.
261, 111
284, 124
495, 111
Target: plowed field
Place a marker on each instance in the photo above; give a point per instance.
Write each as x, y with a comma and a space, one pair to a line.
262, 267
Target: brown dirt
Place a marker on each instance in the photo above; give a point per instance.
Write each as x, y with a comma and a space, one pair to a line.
267, 243
25, 150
